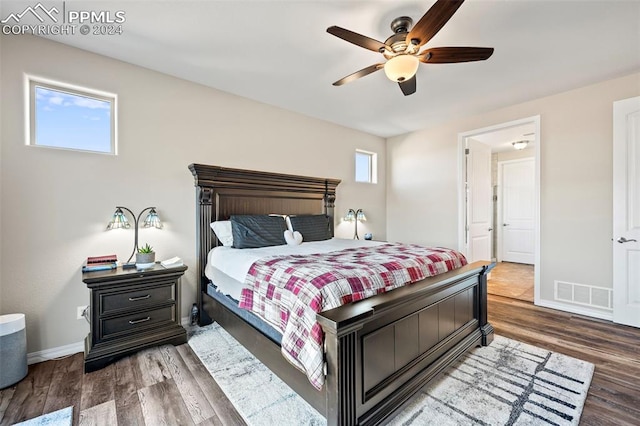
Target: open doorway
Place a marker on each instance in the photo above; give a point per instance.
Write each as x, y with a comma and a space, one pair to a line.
499, 204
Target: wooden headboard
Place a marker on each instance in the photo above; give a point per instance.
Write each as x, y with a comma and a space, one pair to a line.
221, 192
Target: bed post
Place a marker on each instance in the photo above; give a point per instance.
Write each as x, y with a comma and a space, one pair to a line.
341, 376
485, 327
205, 205
329, 201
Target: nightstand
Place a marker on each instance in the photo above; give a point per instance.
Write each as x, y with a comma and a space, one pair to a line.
131, 310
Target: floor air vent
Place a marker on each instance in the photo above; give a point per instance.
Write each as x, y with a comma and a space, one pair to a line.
582, 294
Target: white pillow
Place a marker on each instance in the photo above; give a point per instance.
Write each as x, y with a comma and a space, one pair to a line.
222, 229
293, 238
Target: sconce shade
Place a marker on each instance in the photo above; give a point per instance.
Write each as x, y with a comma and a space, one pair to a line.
119, 220
152, 220
401, 68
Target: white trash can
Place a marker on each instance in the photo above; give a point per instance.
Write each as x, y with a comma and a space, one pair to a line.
13, 349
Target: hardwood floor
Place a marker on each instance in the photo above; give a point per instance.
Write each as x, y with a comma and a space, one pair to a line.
513, 280
165, 385
169, 385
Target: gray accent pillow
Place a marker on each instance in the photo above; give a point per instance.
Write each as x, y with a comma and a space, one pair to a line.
254, 231
312, 227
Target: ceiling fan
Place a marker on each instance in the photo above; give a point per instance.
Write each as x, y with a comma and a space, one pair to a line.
402, 49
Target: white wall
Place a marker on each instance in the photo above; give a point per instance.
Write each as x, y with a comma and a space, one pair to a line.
56, 203
576, 181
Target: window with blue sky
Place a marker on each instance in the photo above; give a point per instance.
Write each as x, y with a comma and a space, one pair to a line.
366, 166
71, 119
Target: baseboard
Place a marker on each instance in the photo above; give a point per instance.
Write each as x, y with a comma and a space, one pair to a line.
73, 348
576, 310
53, 353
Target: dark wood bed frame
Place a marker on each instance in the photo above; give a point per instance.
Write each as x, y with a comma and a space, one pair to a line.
380, 351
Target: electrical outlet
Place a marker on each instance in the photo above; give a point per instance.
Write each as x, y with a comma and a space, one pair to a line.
81, 310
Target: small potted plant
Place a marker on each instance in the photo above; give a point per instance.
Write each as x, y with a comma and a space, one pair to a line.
145, 257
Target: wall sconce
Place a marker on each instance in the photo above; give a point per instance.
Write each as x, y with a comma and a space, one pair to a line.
119, 220
355, 216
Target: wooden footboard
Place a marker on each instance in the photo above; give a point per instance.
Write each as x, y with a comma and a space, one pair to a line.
381, 351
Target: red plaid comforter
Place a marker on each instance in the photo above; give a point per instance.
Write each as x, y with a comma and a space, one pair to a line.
288, 291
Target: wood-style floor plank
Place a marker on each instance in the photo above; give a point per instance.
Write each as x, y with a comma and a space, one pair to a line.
98, 387
29, 395
163, 405
128, 408
66, 386
149, 368
100, 415
194, 398
226, 413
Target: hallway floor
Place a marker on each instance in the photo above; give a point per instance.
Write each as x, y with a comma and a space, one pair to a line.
514, 280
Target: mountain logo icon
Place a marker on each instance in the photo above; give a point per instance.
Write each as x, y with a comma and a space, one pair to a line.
38, 11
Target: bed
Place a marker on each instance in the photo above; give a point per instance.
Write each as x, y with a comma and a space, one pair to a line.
379, 351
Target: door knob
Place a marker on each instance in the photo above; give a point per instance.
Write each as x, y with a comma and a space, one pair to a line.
623, 240
490, 229
505, 224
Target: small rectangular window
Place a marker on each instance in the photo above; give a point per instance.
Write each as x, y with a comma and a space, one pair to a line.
366, 166
61, 116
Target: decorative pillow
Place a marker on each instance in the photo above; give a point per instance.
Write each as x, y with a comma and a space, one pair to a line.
254, 231
222, 229
313, 227
293, 238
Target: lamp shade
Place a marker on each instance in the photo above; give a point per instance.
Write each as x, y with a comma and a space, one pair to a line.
351, 216
520, 144
119, 220
152, 220
401, 68
360, 216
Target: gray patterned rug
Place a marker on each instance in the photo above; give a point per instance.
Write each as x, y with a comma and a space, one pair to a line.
62, 417
506, 383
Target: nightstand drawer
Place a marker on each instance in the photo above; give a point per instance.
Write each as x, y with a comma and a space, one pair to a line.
111, 302
126, 324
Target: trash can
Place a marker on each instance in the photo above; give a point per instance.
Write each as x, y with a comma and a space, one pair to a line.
13, 349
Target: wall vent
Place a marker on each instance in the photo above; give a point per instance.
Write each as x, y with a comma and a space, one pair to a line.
583, 294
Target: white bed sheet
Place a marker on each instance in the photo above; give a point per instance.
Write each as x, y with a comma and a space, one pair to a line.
227, 267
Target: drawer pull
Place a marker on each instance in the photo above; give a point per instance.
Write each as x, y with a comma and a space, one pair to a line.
135, 299
132, 322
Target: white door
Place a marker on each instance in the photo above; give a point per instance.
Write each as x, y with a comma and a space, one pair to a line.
517, 208
626, 212
479, 204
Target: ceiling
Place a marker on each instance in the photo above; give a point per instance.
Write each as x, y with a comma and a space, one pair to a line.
502, 140
279, 53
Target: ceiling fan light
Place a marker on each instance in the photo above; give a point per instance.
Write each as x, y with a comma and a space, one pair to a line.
401, 68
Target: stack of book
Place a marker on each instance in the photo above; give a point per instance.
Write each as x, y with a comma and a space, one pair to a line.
100, 263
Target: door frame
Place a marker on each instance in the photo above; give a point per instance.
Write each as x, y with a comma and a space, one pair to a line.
462, 201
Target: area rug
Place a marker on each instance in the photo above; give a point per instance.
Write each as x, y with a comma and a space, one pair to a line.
56, 418
505, 383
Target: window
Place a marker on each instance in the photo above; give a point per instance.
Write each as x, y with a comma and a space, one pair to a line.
366, 166
62, 116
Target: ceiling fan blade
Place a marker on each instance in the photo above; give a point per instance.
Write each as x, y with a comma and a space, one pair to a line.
356, 75
408, 87
432, 21
448, 55
357, 39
